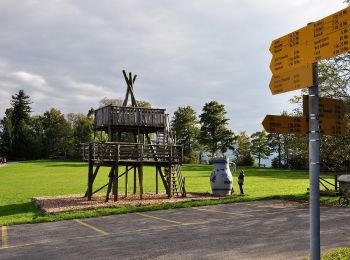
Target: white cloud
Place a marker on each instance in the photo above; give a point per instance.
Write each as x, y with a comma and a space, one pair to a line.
26, 77
70, 54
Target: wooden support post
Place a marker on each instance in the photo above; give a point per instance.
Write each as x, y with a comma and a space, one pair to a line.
169, 181
141, 170
336, 182
109, 134
126, 180
156, 179
141, 180
169, 171
110, 183
90, 173
93, 178
115, 182
135, 180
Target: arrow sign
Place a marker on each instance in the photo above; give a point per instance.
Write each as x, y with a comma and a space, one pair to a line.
331, 35
285, 124
298, 78
323, 39
328, 107
332, 126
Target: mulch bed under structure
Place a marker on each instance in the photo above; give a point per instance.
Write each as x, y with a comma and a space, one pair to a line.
59, 204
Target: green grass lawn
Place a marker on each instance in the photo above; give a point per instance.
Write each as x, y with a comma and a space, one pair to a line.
20, 182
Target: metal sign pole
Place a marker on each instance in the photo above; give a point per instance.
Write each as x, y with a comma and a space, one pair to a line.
314, 167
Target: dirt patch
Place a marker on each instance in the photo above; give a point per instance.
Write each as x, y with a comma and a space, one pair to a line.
59, 204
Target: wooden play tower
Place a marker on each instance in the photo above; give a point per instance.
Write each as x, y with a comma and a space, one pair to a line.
138, 137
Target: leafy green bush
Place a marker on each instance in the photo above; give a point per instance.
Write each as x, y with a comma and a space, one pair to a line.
337, 254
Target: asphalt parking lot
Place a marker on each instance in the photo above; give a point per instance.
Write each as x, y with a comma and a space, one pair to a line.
254, 230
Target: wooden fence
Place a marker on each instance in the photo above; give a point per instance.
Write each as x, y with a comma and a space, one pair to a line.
130, 116
132, 152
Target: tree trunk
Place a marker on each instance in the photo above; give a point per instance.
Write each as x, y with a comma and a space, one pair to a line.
279, 156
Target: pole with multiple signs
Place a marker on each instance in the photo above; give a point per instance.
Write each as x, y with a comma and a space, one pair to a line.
294, 66
314, 167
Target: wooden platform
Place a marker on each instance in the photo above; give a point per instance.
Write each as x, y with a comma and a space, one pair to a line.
132, 153
130, 119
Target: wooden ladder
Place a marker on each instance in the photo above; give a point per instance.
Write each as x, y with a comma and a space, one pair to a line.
177, 181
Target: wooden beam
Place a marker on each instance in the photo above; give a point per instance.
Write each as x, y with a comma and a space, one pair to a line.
141, 180
126, 181
125, 103
90, 173
170, 184
131, 90
109, 133
93, 178
115, 183
156, 179
110, 182
135, 180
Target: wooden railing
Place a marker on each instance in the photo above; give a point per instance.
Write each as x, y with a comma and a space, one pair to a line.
130, 116
132, 152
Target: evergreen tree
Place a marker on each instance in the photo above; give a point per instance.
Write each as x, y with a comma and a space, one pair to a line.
214, 134
6, 134
20, 117
184, 124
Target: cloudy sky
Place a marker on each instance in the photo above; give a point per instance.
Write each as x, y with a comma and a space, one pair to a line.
70, 54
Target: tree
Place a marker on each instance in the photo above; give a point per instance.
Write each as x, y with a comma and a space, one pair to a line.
275, 142
214, 134
21, 108
6, 133
119, 102
36, 137
58, 140
242, 150
82, 131
260, 146
109, 101
185, 124
20, 117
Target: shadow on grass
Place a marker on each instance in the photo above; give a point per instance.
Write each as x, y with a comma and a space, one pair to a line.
22, 208
197, 167
205, 170
75, 165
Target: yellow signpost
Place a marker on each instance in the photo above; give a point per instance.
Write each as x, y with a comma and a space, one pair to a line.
298, 78
285, 124
291, 51
330, 35
291, 54
320, 40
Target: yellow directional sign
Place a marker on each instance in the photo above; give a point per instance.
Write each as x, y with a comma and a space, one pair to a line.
331, 35
282, 45
328, 108
291, 51
285, 124
298, 78
331, 45
332, 126
331, 115
323, 39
